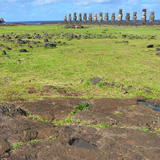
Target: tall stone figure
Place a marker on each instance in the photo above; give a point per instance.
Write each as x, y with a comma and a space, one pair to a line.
70, 18
151, 17
75, 17
90, 17
65, 18
127, 17
120, 15
113, 17
85, 17
100, 17
95, 17
80, 17
143, 18
134, 16
106, 17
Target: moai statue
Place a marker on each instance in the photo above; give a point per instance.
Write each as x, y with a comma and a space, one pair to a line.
127, 17
120, 15
100, 17
113, 17
143, 18
90, 17
106, 17
134, 16
95, 17
70, 18
151, 17
85, 17
75, 17
80, 17
65, 18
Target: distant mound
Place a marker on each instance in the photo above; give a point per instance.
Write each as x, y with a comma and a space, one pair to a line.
1, 20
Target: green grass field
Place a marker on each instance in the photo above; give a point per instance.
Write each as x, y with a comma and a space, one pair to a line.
101, 51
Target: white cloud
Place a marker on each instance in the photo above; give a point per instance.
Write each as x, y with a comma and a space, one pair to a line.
42, 2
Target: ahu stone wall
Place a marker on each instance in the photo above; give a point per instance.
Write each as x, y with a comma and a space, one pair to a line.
93, 17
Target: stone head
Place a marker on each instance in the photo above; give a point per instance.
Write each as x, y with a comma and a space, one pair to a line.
120, 11
100, 14
134, 13
144, 10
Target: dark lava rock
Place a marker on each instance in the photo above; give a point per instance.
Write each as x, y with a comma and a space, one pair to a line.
20, 41
29, 46
49, 44
4, 52
95, 80
158, 54
157, 49
8, 48
22, 50
45, 34
4, 146
108, 84
72, 141
150, 46
45, 40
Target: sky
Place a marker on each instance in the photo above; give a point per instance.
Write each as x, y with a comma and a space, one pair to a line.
54, 10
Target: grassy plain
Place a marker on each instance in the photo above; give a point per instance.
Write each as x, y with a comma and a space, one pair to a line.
116, 54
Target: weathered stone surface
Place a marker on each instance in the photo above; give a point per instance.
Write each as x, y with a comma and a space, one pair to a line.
106, 18
80, 17
70, 17
113, 17
150, 46
65, 18
22, 50
95, 80
49, 44
143, 17
1, 20
127, 17
151, 17
120, 15
90, 17
20, 41
100, 17
4, 146
95, 17
4, 52
134, 16
75, 17
85, 17
76, 141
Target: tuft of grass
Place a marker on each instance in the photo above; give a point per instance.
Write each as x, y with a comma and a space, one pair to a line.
118, 112
131, 107
80, 107
16, 145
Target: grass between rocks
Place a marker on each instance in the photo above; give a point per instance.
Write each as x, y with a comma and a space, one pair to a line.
116, 54
69, 121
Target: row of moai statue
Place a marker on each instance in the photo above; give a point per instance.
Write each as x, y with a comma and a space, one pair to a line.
106, 18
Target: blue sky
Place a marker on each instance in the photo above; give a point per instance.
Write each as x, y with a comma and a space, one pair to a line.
51, 10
